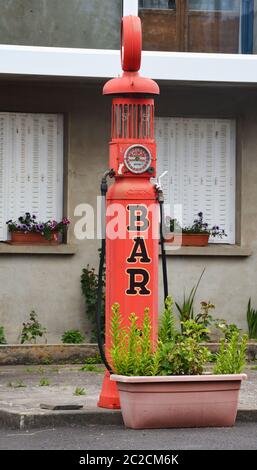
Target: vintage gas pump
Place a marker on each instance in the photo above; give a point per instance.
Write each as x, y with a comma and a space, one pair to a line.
132, 199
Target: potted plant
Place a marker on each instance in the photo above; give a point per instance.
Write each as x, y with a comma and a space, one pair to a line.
167, 386
196, 234
28, 230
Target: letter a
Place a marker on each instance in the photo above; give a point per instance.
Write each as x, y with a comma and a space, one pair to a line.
139, 252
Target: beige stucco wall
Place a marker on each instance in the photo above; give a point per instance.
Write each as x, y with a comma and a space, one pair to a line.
51, 283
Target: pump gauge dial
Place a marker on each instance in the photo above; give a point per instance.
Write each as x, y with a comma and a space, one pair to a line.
137, 159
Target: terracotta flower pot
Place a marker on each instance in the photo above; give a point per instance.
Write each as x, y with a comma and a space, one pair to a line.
188, 239
179, 401
33, 238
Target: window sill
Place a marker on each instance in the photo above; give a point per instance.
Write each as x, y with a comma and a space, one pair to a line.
62, 249
209, 250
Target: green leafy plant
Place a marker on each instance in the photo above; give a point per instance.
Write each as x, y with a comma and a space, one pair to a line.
47, 360
44, 382
93, 359
132, 353
186, 309
167, 328
20, 384
131, 350
72, 337
185, 355
92, 368
231, 357
228, 329
32, 329
79, 391
2, 336
89, 286
251, 321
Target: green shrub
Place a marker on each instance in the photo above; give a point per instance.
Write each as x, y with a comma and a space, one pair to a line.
231, 357
185, 355
167, 328
79, 391
132, 353
186, 309
2, 336
251, 321
131, 350
93, 359
72, 337
32, 329
89, 286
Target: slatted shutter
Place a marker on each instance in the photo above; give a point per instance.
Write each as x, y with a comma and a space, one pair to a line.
3, 172
200, 157
33, 166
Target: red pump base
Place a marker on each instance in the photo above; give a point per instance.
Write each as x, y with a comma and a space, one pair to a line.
109, 397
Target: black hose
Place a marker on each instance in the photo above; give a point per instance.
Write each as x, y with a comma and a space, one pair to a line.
163, 252
104, 189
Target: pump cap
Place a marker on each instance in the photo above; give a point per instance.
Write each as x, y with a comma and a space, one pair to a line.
131, 43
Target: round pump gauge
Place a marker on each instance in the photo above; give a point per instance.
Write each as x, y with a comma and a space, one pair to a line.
137, 159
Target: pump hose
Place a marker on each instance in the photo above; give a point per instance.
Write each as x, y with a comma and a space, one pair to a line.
104, 189
163, 252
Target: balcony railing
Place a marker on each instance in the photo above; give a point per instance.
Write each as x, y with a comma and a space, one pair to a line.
225, 26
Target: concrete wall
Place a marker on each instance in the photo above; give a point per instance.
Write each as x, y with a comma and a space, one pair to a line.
61, 23
51, 284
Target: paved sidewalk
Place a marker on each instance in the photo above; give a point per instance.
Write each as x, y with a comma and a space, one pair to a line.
21, 395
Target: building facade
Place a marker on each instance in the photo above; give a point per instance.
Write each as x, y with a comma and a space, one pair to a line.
55, 127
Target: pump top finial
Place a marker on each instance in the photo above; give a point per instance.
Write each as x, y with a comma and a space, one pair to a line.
130, 52
130, 43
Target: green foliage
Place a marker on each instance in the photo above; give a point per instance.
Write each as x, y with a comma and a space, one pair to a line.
167, 329
185, 355
131, 350
186, 309
32, 329
89, 286
47, 360
72, 337
231, 357
251, 321
132, 354
79, 391
93, 359
44, 382
20, 384
2, 336
227, 328
91, 368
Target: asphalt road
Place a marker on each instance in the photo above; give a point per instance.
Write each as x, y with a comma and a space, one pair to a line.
242, 436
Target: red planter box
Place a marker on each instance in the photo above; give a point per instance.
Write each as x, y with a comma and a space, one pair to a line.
189, 239
33, 238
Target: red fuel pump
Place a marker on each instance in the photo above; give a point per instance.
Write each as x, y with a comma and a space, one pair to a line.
132, 200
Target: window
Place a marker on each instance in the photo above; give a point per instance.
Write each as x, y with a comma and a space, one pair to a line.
217, 26
31, 166
199, 155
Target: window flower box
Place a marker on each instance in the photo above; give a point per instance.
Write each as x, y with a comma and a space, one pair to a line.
197, 234
33, 238
28, 231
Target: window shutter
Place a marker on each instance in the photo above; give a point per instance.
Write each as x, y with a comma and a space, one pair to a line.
200, 157
31, 167
4, 142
